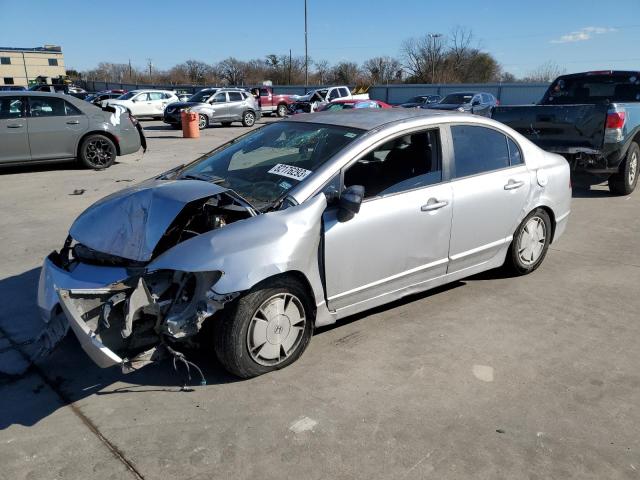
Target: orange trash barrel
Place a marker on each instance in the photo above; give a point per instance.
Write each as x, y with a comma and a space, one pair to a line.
190, 125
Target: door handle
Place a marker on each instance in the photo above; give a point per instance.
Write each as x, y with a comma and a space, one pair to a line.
14, 125
433, 204
512, 184
73, 122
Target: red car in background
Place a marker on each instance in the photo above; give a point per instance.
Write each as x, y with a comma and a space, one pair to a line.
349, 104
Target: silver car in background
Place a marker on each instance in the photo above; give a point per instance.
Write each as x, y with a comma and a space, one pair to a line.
227, 106
37, 127
299, 224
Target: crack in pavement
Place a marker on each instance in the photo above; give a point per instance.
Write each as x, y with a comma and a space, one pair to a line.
66, 401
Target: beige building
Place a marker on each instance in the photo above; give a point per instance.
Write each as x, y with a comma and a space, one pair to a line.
19, 65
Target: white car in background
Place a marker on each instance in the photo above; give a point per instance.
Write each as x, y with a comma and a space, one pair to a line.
144, 103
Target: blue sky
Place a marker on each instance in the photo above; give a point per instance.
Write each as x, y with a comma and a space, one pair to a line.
577, 35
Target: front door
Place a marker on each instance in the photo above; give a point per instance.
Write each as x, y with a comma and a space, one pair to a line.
490, 190
14, 139
55, 127
157, 102
218, 109
400, 237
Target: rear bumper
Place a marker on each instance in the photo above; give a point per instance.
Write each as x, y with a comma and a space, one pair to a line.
131, 139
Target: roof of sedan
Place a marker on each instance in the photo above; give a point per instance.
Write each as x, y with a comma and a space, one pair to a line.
366, 118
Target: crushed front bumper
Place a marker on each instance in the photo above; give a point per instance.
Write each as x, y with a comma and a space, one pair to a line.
57, 286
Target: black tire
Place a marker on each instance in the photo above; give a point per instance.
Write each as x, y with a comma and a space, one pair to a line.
282, 110
625, 180
230, 333
203, 121
248, 118
97, 152
514, 261
226, 124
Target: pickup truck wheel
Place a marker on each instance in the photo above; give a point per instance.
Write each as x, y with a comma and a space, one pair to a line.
282, 110
264, 330
625, 181
97, 152
248, 119
530, 243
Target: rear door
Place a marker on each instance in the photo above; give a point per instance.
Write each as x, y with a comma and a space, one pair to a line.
236, 106
490, 189
55, 127
158, 100
14, 139
266, 100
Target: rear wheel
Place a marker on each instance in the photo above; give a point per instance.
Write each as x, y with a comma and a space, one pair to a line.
97, 152
265, 330
248, 119
282, 110
624, 182
530, 243
203, 121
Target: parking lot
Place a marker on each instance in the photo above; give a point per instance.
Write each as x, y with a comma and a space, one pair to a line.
491, 377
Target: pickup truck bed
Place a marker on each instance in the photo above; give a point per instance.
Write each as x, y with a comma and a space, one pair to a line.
592, 119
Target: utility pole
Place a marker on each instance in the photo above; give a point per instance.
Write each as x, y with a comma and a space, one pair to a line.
433, 37
306, 53
289, 66
130, 74
150, 65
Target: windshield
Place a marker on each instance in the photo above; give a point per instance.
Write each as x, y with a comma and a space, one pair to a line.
594, 89
202, 96
456, 98
264, 165
127, 96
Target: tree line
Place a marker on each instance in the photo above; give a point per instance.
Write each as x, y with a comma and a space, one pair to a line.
451, 58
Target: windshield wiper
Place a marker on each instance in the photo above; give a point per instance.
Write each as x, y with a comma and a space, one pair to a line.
201, 176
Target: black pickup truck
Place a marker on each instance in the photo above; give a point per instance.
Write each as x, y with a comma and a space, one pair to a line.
592, 119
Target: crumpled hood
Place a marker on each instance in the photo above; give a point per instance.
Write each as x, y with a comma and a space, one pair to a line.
130, 223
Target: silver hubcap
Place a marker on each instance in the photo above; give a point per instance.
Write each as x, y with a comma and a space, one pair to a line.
248, 118
99, 152
203, 121
633, 168
532, 240
276, 329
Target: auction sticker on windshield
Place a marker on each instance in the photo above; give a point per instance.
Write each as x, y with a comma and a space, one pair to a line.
290, 171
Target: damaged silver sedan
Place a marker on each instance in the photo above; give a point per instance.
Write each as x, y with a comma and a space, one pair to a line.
296, 225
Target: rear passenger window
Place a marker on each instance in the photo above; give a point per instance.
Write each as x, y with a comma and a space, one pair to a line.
404, 163
478, 150
156, 96
235, 97
515, 155
46, 107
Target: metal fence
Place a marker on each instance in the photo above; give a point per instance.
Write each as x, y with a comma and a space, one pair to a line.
507, 93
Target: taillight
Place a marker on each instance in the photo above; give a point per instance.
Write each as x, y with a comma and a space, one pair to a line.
616, 119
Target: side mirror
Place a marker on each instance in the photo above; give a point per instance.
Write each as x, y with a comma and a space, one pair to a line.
349, 202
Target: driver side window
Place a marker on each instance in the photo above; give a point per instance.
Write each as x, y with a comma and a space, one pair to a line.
142, 97
219, 98
401, 164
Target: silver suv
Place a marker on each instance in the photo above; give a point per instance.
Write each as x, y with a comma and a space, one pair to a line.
225, 106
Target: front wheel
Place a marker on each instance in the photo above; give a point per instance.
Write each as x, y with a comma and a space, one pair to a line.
265, 330
530, 243
97, 152
624, 182
248, 119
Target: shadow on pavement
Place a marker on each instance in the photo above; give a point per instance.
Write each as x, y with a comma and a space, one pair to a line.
31, 392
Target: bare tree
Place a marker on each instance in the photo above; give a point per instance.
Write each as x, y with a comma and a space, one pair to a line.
546, 72
232, 71
381, 69
423, 57
346, 72
322, 71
